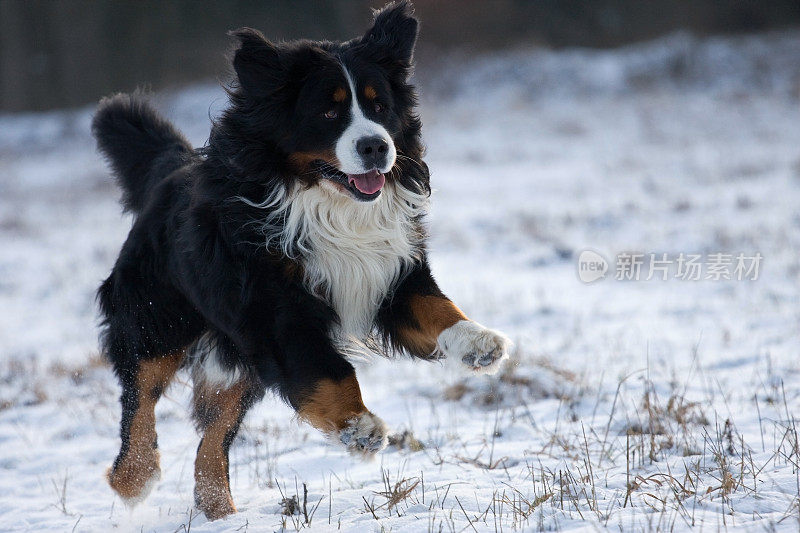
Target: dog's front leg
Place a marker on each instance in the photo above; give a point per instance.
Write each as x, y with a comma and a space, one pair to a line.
423, 321
481, 349
321, 384
335, 408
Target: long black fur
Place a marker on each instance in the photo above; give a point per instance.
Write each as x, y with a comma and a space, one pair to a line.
194, 263
141, 147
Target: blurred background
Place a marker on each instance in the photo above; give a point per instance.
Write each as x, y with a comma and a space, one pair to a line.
551, 127
71, 52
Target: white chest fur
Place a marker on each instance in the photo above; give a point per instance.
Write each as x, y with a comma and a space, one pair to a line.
352, 252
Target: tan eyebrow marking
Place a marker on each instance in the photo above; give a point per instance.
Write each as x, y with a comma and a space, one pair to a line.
339, 94
369, 92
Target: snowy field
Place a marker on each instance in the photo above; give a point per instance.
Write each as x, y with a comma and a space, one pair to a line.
634, 405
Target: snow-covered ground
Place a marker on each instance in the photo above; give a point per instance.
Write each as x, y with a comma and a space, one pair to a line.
654, 405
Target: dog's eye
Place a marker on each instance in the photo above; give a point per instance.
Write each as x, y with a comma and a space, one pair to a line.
332, 114
378, 107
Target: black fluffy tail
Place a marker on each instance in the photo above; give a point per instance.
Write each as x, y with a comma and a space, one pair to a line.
141, 147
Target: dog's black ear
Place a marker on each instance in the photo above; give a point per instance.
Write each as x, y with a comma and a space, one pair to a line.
257, 62
395, 31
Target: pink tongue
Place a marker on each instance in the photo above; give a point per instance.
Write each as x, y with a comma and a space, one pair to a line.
368, 183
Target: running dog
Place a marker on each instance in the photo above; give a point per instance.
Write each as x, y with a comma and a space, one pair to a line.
261, 260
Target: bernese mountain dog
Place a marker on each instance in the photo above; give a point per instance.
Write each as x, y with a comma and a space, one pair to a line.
263, 260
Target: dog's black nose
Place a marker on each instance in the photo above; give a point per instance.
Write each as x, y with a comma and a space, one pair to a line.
373, 151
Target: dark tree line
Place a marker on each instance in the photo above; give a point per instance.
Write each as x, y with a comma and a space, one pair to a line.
70, 52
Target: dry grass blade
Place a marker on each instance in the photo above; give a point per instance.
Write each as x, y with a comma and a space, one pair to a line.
399, 492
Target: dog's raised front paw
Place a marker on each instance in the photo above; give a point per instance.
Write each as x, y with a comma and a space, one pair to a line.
366, 434
480, 348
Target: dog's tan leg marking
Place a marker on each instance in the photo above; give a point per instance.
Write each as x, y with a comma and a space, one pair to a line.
442, 328
332, 404
336, 408
433, 314
136, 469
219, 412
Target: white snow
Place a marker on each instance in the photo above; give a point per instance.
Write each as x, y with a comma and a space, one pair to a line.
681, 393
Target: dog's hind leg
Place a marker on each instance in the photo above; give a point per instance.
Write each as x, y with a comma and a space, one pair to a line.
218, 410
136, 468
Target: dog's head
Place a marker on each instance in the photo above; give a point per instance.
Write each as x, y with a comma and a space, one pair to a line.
339, 114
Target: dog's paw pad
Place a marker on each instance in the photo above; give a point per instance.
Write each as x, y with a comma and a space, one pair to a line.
365, 435
477, 361
479, 348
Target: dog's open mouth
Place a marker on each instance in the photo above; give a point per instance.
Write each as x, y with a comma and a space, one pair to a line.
365, 187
